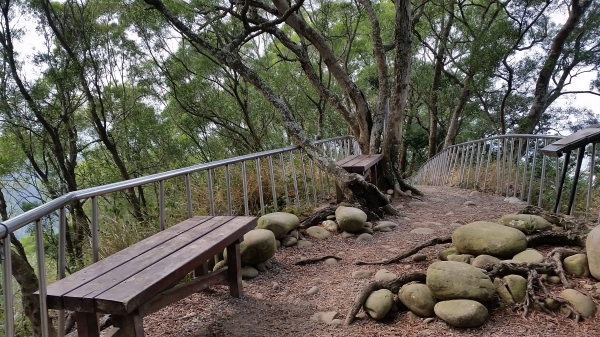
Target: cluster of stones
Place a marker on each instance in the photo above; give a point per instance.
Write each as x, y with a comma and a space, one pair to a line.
457, 290
281, 229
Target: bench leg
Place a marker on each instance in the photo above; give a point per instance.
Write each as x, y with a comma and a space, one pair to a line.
87, 324
202, 270
234, 269
130, 325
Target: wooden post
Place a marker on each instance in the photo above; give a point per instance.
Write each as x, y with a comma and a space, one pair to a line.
234, 269
87, 324
202, 270
130, 325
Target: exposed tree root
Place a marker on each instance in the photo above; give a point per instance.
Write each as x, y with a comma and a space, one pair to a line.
414, 250
556, 238
557, 219
555, 258
393, 286
316, 259
317, 217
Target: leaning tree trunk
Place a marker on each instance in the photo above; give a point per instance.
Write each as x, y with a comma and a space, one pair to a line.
458, 109
540, 100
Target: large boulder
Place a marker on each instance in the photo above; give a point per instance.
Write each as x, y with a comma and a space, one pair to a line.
577, 265
279, 223
258, 246
583, 304
379, 303
418, 299
350, 219
482, 237
529, 255
462, 313
592, 246
449, 280
526, 223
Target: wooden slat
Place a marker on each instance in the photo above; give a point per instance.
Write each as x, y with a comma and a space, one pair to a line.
351, 163
341, 162
81, 299
128, 295
182, 291
367, 161
64, 286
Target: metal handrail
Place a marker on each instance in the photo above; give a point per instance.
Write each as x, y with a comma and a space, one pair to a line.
331, 146
520, 168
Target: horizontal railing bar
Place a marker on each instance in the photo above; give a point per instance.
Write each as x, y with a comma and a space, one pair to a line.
30, 216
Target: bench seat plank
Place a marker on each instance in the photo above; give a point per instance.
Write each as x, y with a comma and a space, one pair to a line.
58, 289
128, 295
81, 298
368, 161
343, 162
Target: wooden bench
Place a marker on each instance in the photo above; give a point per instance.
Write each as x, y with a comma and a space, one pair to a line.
359, 164
145, 277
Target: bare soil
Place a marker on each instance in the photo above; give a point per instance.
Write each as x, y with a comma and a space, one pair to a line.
265, 310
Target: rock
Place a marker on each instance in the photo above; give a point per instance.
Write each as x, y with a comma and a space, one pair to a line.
249, 272
482, 237
336, 322
469, 203
296, 235
588, 287
258, 246
331, 262
443, 255
364, 237
462, 313
261, 267
313, 290
390, 192
348, 235
269, 264
279, 223
219, 265
449, 280
259, 296
577, 265
553, 279
482, 260
365, 230
551, 303
474, 194
515, 201
303, 244
275, 286
326, 317
418, 204
526, 223
529, 255
350, 219
278, 243
419, 257
517, 285
423, 231
502, 292
288, 241
362, 273
368, 225
318, 232
384, 275
330, 225
464, 258
385, 225
379, 303
411, 316
385, 229
429, 320
418, 299
583, 304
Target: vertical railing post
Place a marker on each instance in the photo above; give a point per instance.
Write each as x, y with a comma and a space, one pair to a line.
245, 189
41, 261
62, 259
94, 229
188, 196
542, 177
211, 196
161, 204
530, 187
273, 186
295, 179
284, 180
590, 180
228, 187
9, 314
260, 187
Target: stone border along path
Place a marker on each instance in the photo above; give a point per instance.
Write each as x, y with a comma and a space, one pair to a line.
278, 303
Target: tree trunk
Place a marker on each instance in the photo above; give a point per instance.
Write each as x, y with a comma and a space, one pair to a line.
540, 100
458, 109
437, 75
404, 150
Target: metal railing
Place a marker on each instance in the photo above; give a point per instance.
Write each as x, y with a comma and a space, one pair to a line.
509, 165
293, 164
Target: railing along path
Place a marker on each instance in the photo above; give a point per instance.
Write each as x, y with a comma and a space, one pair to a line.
313, 180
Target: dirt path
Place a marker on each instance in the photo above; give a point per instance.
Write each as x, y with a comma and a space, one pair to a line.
285, 309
